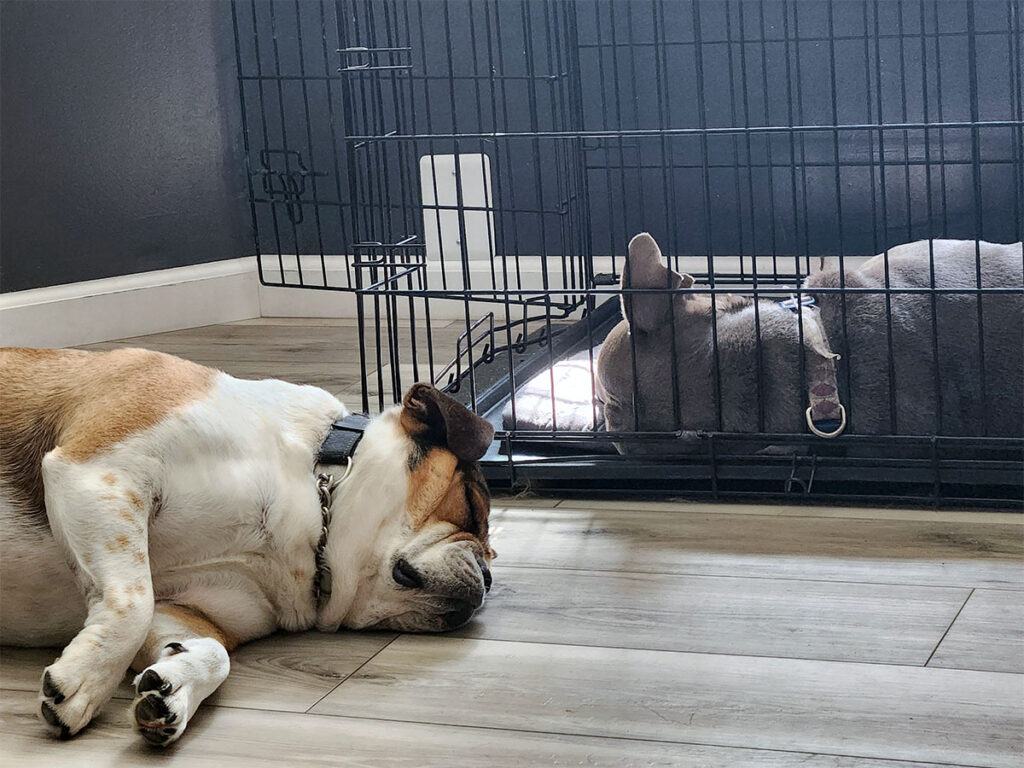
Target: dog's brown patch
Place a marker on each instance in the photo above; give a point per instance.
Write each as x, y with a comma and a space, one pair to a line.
119, 544
116, 606
444, 490
139, 556
198, 623
430, 485
134, 500
83, 403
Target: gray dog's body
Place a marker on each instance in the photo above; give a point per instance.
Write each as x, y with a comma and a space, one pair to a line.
979, 390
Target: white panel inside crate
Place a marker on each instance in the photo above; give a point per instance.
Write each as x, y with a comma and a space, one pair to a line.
439, 186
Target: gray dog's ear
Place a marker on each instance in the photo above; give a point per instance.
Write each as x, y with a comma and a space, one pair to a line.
645, 269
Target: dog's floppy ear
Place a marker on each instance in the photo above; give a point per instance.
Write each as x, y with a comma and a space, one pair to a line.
433, 418
645, 269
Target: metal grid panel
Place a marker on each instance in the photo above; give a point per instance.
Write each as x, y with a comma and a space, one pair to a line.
759, 141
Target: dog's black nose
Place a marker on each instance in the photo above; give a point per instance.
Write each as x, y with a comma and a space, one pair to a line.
487, 576
406, 575
458, 616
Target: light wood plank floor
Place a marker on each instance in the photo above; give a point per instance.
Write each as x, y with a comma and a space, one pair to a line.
618, 633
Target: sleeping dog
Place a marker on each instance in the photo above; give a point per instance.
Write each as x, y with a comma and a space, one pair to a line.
156, 513
955, 368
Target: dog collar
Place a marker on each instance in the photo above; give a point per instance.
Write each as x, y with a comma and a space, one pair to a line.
338, 448
825, 415
342, 439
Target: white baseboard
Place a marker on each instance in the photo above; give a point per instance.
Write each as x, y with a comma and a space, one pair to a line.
131, 305
289, 301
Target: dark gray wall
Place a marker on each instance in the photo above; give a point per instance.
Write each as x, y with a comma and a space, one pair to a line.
120, 140
644, 64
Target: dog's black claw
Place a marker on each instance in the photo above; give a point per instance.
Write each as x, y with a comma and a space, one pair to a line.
151, 709
50, 716
151, 681
176, 648
171, 717
50, 689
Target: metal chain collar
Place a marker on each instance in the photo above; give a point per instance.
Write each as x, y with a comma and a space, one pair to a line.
325, 486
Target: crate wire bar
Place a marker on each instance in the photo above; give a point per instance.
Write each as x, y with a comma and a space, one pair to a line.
469, 172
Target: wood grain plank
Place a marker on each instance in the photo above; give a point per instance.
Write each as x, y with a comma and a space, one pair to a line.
988, 634
333, 377
1005, 517
863, 710
709, 614
220, 736
21, 669
290, 672
324, 352
287, 343
312, 331
287, 672
838, 549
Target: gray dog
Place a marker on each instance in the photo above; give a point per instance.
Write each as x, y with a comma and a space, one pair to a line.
973, 386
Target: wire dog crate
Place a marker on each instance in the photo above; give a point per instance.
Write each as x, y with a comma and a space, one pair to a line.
468, 173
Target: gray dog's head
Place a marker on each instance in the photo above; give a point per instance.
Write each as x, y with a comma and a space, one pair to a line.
656, 370
634, 369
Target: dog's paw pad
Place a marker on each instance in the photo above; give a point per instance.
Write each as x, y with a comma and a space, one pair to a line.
150, 680
155, 717
158, 737
151, 710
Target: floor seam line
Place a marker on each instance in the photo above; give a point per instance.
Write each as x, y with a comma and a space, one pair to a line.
649, 740
936, 648
346, 677
900, 665
1014, 515
522, 566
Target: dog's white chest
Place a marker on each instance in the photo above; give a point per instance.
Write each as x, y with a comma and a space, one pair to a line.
236, 513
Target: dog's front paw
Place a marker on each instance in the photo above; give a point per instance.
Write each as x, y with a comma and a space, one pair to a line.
70, 696
168, 693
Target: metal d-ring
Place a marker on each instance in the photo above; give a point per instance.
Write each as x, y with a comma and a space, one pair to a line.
838, 431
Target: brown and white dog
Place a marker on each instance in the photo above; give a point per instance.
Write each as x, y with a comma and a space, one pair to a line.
156, 513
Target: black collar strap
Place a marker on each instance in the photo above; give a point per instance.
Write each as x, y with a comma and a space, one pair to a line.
341, 442
338, 448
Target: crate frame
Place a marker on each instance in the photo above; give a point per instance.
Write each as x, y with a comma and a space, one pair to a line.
376, 74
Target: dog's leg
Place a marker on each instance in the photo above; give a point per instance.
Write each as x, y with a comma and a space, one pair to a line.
100, 522
182, 661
